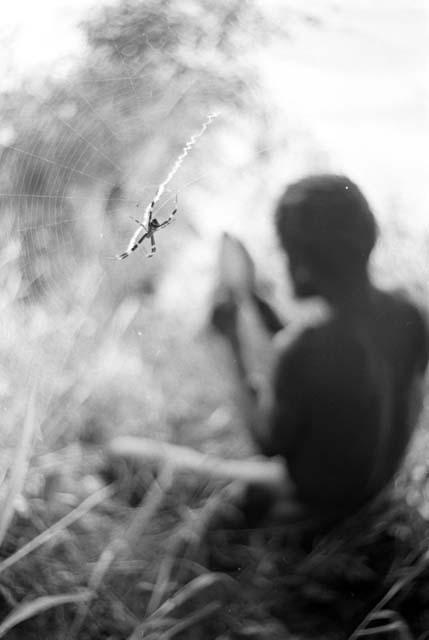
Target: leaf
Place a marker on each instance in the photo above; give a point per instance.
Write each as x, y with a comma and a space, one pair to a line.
30, 609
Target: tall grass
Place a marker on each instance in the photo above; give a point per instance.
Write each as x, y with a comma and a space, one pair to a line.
106, 364
18, 466
76, 369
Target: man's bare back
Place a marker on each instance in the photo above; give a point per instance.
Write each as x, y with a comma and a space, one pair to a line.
343, 409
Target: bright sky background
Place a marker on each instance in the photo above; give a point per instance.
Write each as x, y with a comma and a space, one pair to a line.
359, 84
37, 33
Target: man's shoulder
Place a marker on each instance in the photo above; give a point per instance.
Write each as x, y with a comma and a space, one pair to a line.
301, 331
399, 302
410, 320
397, 307
395, 312
300, 345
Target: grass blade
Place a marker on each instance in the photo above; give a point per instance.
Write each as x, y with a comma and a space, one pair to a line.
144, 514
204, 594
30, 609
85, 506
18, 466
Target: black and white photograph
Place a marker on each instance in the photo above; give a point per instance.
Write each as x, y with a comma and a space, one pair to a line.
214, 329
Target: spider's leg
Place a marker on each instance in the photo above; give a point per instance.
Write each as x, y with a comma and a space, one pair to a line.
169, 220
133, 244
129, 251
122, 256
152, 247
139, 222
146, 235
139, 241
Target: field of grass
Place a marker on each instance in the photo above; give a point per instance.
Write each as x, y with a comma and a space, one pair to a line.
82, 557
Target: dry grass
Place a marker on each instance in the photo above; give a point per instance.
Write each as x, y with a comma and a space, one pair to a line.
81, 560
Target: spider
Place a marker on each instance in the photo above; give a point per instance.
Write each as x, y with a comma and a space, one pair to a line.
153, 225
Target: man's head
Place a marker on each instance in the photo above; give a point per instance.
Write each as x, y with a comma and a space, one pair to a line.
328, 231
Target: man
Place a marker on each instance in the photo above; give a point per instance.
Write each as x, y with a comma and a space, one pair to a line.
346, 392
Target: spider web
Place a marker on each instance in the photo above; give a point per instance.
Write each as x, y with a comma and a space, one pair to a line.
89, 126
91, 174
75, 206
67, 192
57, 212
74, 189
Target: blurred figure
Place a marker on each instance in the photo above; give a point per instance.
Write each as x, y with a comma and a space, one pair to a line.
334, 419
345, 393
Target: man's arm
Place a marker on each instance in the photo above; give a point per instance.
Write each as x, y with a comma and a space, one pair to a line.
272, 407
253, 401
